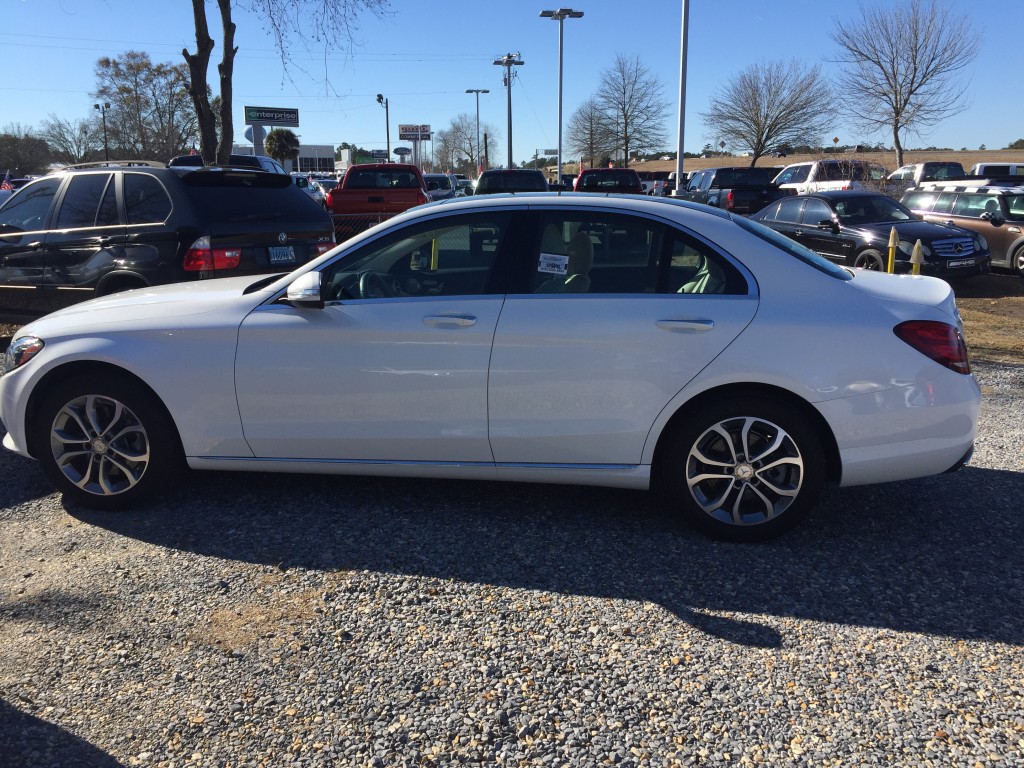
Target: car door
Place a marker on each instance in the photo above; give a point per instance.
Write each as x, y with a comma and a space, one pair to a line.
579, 375
394, 367
820, 238
23, 222
85, 239
786, 217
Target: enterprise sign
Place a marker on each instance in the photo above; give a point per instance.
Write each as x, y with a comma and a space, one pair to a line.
272, 116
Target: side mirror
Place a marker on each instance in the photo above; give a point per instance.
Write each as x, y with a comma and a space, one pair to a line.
831, 224
305, 291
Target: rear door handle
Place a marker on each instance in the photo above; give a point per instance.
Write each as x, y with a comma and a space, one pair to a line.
449, 321
686, 326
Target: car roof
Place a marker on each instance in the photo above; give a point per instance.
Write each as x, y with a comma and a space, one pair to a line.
641, 203
965, 185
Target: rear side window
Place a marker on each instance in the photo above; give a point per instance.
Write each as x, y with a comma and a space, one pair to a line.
145, 199
794, 175
88, 202
789, 210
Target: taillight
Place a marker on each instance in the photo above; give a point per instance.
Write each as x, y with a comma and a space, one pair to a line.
201, 257
321, 248
730, 201
942, 342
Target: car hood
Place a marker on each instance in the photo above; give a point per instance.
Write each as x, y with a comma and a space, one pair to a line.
925, 231
152, 306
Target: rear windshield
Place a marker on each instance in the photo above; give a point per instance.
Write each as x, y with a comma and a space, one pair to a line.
256, 202
793, 248
381, 179
513, 182
733, 177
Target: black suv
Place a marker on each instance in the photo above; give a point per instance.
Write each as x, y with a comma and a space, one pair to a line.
498, 180
88, 232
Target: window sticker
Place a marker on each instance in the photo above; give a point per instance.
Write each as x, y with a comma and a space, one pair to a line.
553, 264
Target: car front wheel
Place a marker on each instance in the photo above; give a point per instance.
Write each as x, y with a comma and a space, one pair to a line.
1018, 261
869, 260
743, 469
105, 442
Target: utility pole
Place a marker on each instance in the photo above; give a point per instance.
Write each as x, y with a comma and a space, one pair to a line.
102, 108
387, 122
508, 61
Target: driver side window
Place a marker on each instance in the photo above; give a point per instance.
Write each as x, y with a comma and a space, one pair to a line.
27, 210
450, 256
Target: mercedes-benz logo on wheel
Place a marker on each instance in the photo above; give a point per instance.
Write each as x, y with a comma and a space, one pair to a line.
282, 238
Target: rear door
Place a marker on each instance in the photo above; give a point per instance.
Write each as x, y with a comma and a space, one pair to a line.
579, 375
86, 238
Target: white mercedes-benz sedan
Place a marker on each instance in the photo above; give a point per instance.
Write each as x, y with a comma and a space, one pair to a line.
559, 338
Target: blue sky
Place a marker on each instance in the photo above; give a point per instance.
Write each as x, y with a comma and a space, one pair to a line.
424, 55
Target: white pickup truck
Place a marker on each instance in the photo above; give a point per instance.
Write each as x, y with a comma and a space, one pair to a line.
822, 175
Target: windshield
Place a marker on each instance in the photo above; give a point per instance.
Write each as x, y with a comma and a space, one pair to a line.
870, 209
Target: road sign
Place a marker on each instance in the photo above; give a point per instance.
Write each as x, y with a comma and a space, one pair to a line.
272, 116
379, 154
414, 133
402, 151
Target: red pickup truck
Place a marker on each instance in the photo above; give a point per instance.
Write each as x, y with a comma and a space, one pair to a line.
372, 192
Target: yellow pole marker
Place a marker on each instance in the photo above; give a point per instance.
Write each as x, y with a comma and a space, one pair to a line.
894, 241
916, 259
434, 248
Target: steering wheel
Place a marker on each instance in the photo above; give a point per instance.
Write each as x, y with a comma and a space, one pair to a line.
373, 286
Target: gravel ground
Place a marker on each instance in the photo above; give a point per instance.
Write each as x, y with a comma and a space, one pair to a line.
286, 620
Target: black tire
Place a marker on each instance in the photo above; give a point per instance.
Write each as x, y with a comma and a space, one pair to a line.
870, 259
748, 488
105, 441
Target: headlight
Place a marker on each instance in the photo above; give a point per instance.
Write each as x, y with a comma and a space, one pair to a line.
982, 242
908, 248
21, 351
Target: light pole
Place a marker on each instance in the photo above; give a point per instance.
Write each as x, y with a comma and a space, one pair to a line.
387, 120
508, 61
477, 91
560, 15
103, 114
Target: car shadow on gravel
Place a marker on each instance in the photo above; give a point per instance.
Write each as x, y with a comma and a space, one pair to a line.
27, 741
939, 555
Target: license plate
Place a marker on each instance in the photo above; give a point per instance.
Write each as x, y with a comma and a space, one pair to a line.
960, 263
281, 254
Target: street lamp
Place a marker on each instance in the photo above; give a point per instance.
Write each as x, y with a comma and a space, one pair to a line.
508, 61
387, 120
478, 91
103, 114
560, 15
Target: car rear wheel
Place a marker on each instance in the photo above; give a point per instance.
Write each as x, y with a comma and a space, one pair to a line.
105, 442
870, 259
1018, 261
743, 469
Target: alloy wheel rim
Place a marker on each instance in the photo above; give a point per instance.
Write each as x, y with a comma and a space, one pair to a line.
99, 445
744, 471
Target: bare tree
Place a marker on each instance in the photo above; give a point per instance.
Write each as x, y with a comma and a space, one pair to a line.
150, 116
71, 141
323, 21
455, 147
899, 65
587, 134
633, 105
769, 105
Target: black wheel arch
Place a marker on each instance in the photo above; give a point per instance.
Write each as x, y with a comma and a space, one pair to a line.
77, 370
833, 463
122, 280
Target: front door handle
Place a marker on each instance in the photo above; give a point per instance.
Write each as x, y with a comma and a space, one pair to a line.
449, 321
686, 326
